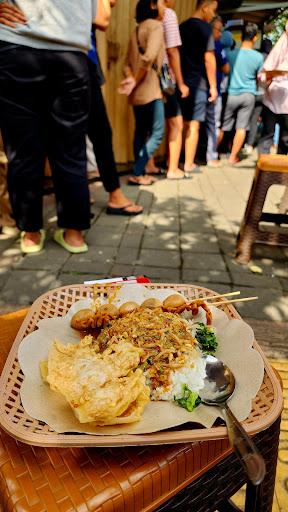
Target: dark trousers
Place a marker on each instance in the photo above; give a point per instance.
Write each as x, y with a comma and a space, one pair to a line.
254, 121
100, 134
270, 120
44, 105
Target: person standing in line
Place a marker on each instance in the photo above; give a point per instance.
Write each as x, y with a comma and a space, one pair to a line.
275, 109
100, 134
228, 44
44, 104
222, 69
245, 63
173, 114
251, 141
144, 60
199, 73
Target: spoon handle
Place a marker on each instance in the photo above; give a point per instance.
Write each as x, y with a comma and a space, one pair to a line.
244, 447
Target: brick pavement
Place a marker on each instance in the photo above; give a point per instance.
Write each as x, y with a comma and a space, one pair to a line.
187, 234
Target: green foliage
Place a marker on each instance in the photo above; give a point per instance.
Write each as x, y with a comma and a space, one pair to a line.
279, 23
206, 338
189, 399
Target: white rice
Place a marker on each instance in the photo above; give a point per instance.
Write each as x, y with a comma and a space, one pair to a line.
193, 373
200, 318
193, 376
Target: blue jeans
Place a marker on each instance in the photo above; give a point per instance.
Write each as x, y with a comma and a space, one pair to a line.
149, 131
211, 129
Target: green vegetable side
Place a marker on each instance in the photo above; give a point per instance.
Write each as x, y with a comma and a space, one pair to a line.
206, 339
189, 399
208, 344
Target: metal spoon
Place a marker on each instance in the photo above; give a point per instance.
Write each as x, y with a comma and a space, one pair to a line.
219, 385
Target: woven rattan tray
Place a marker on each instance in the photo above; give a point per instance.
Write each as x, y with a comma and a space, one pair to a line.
13, 418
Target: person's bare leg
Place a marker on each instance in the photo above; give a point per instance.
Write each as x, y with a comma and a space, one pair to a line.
191, 143
174, 129
117, 199
238, 142
74, 237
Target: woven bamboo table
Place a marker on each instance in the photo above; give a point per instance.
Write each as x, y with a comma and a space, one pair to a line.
198, 476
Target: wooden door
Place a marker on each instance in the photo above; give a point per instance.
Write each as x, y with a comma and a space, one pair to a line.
112, 49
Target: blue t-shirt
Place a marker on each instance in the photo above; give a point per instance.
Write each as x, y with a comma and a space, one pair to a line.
94, 57
92, 54
221, 60
245, 65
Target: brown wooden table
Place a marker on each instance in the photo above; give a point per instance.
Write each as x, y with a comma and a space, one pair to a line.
198, 476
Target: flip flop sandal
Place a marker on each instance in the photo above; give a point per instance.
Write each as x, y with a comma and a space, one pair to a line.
137, 184
159, 172
196, 170
187, 176
235, 164
112, 210
217, 166
177, 178
59, 239
32, 249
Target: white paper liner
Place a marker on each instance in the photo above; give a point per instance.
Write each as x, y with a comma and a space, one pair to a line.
235, 339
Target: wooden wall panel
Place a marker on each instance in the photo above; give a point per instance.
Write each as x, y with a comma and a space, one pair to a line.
112, 50
184, 9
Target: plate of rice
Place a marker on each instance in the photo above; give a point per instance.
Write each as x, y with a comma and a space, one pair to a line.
168, 344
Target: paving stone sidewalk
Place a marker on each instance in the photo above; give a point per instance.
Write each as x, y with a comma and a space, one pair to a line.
186, 234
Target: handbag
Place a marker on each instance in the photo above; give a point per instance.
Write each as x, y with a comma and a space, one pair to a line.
167, 85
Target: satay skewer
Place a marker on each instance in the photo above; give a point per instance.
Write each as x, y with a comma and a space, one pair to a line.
219, 296
244, 299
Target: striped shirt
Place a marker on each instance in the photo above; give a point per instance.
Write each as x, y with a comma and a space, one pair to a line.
171, 33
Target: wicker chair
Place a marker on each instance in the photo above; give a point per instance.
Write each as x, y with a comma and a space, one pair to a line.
270, 170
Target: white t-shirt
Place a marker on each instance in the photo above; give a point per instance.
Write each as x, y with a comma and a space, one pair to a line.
53, 24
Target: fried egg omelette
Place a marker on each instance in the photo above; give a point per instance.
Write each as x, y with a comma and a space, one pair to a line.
105, 388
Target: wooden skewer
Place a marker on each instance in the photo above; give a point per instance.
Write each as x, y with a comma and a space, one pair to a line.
244, 299
219, 296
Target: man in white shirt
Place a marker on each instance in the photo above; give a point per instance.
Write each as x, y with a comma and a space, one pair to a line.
173, 114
